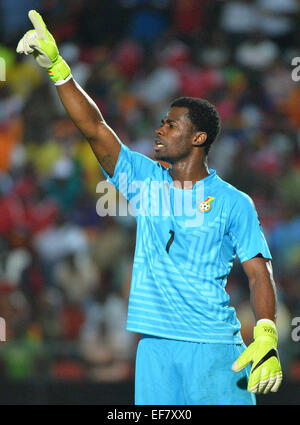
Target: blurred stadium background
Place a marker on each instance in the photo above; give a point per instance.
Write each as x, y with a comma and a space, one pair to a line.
65, 270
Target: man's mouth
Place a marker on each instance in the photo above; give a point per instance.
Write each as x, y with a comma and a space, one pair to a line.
158, 144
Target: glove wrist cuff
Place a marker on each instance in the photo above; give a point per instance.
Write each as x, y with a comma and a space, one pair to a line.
59, 72
265, 329
266, 320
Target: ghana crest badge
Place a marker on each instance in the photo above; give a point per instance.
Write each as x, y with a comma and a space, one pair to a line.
205, 206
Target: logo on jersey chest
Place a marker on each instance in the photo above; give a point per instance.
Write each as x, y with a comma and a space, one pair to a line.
205, 206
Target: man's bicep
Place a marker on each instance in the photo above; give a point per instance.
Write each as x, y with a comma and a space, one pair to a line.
258, 266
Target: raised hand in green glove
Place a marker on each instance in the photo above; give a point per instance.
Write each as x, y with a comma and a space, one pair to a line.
266, 374
40, 43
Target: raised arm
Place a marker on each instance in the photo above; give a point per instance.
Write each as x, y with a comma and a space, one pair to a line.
89, 120
82, 109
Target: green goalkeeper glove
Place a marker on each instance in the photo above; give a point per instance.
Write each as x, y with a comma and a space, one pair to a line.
266, 374
40, 43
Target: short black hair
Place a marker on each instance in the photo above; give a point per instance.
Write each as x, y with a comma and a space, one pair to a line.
203, 116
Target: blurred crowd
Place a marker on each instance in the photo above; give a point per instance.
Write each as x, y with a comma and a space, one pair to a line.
65, 269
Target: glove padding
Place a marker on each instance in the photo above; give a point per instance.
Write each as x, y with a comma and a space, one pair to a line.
266, 374
41, 44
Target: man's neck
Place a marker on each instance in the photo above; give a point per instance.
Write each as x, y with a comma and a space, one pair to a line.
185, 176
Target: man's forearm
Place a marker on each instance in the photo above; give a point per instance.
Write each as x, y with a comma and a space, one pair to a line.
88, 119
266, 373
81, 108
263, 298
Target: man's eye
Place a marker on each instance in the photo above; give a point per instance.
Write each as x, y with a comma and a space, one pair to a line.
172, 126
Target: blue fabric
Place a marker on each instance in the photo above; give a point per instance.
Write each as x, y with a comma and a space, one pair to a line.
184, 252
171, 372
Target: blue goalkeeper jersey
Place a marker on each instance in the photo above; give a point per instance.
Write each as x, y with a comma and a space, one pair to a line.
186, 244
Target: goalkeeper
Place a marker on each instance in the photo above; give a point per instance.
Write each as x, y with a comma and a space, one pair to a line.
191, 351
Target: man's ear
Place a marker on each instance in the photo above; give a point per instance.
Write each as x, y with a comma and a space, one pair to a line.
200, 138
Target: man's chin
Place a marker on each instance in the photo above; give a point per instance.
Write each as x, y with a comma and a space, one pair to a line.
161, 157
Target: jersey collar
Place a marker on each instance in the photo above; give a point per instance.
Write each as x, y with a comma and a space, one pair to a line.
206, 180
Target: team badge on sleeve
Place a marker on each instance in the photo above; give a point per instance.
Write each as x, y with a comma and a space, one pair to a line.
205, 206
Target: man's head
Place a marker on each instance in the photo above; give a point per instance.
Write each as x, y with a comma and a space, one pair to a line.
190, 124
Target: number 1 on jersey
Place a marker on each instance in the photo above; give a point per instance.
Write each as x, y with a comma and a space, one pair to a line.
170, 241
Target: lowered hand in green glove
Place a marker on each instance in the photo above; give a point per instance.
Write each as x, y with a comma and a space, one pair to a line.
40, 43
266, 374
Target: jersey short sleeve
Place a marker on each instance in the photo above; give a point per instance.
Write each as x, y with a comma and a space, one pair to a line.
131, 169
245, 230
